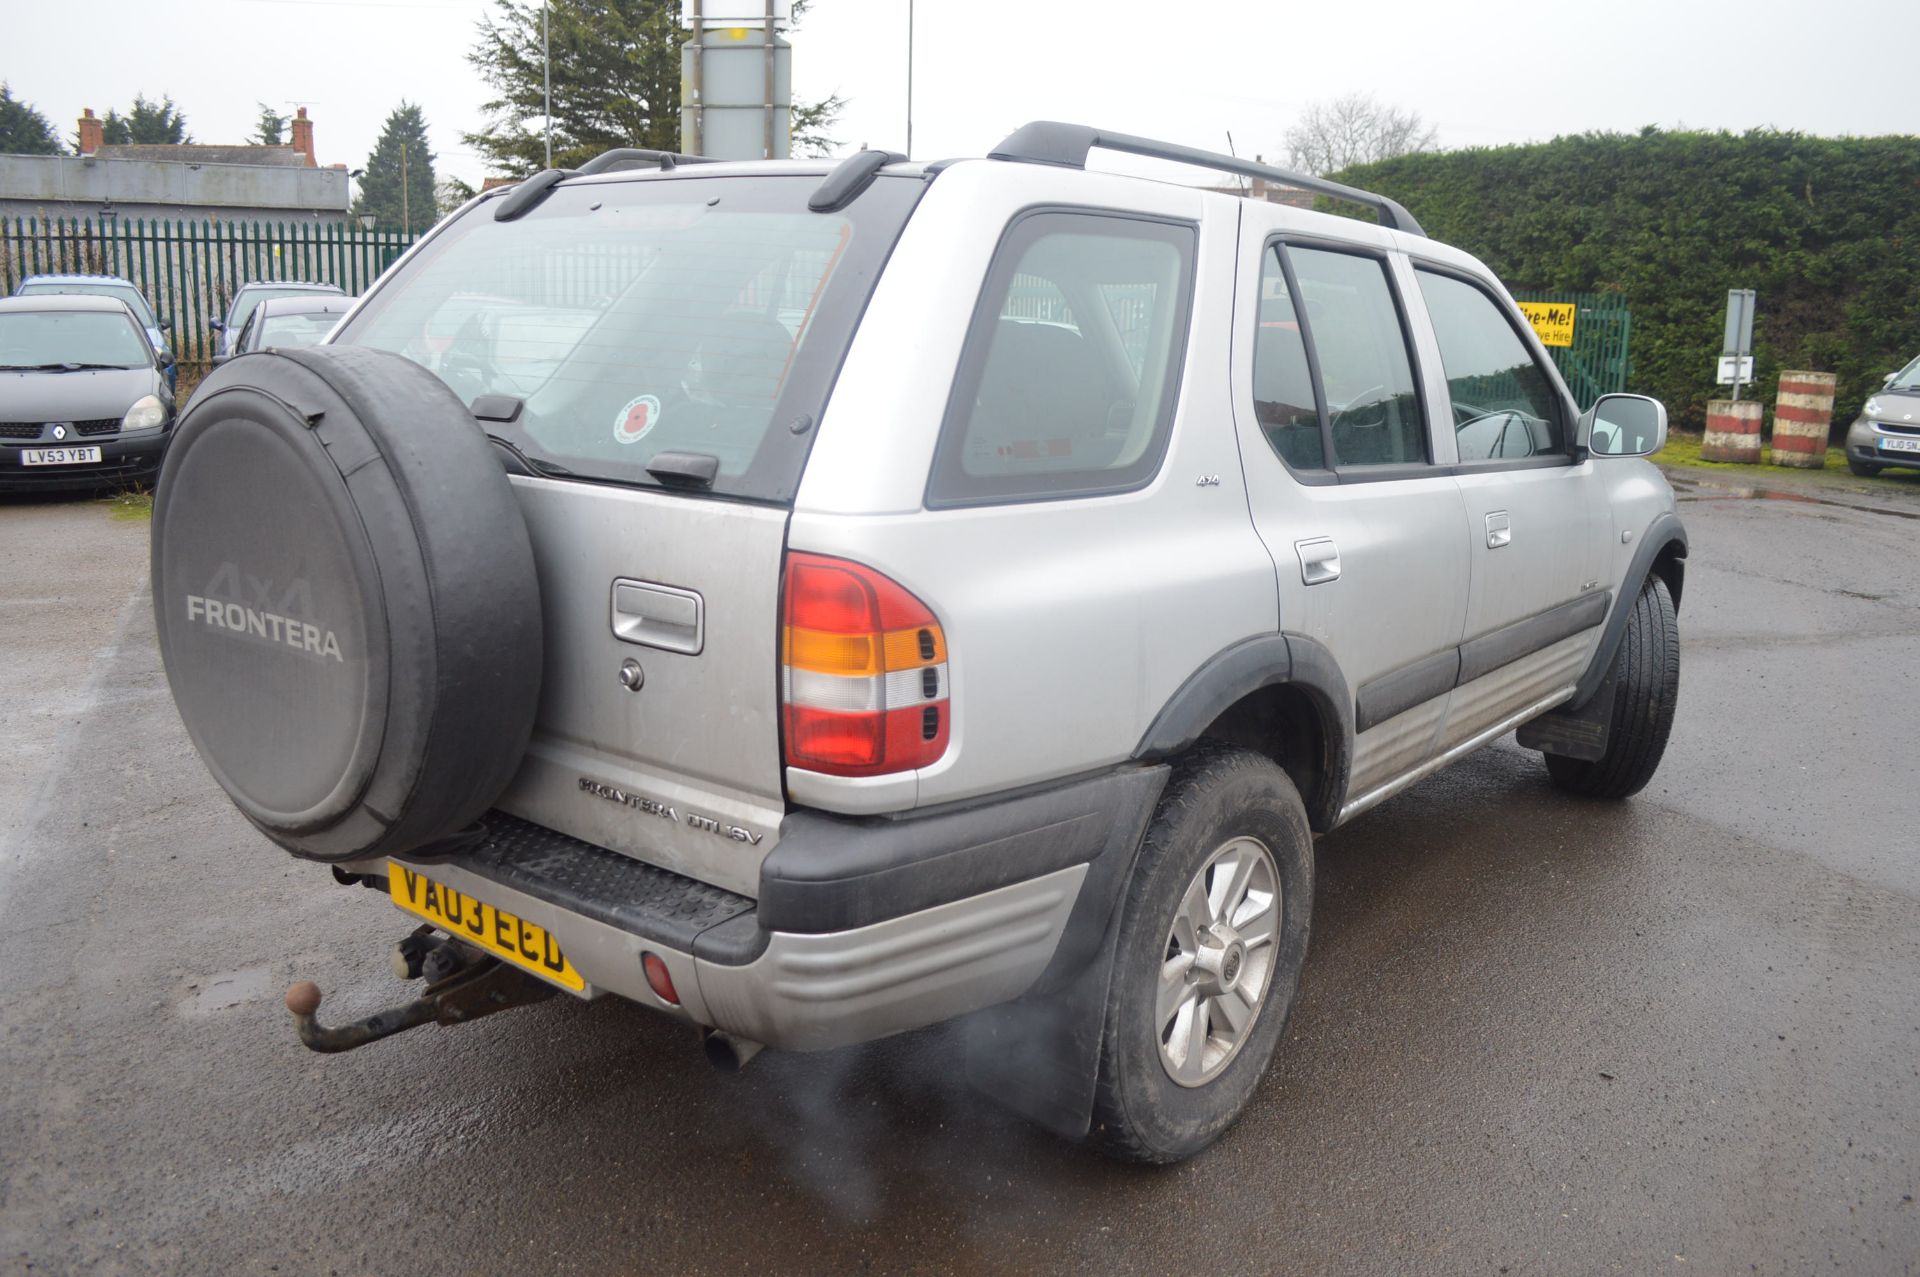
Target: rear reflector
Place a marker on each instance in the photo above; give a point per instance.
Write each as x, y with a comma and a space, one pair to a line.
659, 979
863, 671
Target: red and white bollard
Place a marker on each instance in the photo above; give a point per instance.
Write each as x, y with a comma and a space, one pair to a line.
1733, 431
1802, 415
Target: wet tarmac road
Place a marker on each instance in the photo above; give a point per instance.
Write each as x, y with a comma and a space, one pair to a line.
1535, 1035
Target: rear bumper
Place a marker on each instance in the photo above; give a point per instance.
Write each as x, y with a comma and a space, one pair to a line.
864, 928
122, 461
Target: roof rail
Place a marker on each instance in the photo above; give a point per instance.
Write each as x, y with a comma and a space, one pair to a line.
527, 192
621, 155
1050, 142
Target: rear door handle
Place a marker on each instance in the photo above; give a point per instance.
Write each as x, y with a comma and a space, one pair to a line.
1499, 530
662, 616
1319, 560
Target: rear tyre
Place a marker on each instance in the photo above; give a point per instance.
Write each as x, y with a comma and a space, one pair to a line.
1865, 469
1212, 938
1646, 674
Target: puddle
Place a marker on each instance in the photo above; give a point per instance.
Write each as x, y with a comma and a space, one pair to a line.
227, 990
1690, 489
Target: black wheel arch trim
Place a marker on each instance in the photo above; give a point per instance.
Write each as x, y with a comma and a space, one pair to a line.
1236, 672
1665, 538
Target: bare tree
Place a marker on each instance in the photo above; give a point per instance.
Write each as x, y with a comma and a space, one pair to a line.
1355, 129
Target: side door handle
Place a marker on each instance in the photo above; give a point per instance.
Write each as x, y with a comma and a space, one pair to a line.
1499, 530
1319, 560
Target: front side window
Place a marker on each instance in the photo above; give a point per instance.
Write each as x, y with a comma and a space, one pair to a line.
1504, 404
1071, 368
1373, 409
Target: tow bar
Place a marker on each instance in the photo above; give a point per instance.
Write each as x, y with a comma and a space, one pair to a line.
480, 988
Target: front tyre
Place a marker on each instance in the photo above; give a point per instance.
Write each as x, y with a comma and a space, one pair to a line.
1212, 938
1865, 469
1646, 674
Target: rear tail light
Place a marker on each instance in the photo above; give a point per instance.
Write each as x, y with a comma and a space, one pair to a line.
864, 671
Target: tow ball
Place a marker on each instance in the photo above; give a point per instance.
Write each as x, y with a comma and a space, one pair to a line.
480, 987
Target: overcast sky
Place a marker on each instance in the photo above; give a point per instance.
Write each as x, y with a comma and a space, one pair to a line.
1484, 73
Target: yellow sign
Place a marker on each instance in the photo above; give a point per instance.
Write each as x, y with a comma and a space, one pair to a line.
1553, 321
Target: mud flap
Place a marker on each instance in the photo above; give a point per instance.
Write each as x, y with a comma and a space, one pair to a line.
1574, 733
1040, 1054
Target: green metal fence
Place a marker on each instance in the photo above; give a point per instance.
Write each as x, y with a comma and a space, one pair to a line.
1599, 362
189, 270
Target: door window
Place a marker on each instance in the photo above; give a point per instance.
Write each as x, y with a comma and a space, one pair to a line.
1505, 406
1068, 380
1353, 323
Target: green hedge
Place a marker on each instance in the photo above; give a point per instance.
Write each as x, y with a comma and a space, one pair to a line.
1827, 229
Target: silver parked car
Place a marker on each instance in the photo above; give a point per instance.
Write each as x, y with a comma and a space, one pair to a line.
818, 601
301, 320
1887, 431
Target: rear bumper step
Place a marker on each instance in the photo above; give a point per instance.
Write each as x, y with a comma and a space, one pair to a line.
641, 900
891, 926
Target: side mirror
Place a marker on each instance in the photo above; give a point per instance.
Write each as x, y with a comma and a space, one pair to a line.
1888, 379
164, 324
218, 325
1624, 426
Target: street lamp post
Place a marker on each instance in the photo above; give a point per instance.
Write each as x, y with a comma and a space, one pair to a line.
546, 74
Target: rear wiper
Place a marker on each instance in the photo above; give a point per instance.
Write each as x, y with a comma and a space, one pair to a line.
546, 469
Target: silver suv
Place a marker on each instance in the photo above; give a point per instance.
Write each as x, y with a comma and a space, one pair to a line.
816, 602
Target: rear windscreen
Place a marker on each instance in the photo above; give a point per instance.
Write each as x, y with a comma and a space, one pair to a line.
659, 314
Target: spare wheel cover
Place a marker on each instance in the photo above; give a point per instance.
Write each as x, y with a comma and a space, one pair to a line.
346, 600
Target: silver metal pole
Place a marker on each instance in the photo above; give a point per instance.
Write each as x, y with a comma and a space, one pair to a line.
697, 145
546, 72
766, 123
909, 78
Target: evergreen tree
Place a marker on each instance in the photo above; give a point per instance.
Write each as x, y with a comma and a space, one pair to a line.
23, 130
148, 123
380, 187
616, 82
272, 128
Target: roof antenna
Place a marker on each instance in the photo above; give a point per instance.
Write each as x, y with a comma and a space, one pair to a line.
1246, 183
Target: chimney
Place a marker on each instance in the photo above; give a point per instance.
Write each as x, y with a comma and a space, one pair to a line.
90, 133
303, 136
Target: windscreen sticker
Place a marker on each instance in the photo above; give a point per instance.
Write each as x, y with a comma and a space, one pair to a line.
639, 416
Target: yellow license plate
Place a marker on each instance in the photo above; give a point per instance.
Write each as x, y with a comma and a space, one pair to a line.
498, 932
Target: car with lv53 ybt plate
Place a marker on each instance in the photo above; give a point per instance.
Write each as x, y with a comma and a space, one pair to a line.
816, 601
110, 286
84, 402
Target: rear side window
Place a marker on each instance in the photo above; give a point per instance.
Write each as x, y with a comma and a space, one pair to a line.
1504, 404
1283, 400
1373, 409
1072, 363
